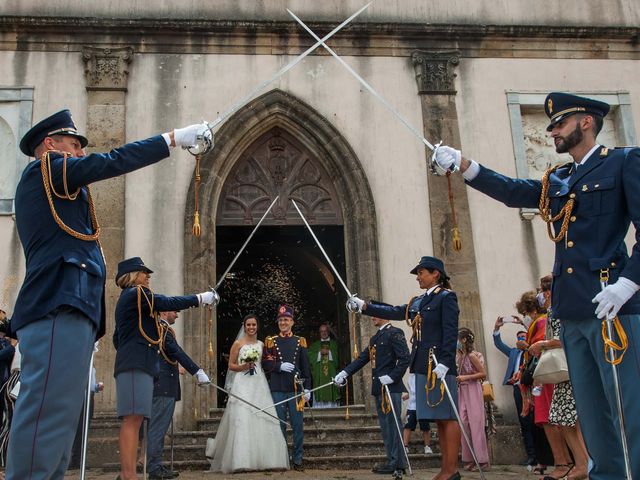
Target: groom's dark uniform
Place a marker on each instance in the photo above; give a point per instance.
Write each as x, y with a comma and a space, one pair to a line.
288, 349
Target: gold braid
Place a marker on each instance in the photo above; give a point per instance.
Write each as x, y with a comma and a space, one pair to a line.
545, 209
153, 314
45, 167
166, 330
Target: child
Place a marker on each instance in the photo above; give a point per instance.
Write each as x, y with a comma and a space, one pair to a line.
410, 426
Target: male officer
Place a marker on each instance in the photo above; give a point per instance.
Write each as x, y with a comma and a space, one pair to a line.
590, 203
166, 392
389, 357
285, 357
59, 312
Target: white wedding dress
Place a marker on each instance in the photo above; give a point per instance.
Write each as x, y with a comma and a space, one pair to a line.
247, 441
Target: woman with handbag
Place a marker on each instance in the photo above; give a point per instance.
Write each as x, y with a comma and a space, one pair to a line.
563, 406
533, 309
471, 373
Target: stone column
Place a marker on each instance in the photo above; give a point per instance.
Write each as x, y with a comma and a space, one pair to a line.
435, 75
106, 71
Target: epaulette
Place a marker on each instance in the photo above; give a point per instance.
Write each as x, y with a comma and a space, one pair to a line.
303, 342
268, 342
605, 151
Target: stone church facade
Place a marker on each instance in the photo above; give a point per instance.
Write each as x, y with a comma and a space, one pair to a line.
473, 74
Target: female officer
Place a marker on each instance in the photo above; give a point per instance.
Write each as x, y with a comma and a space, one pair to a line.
433, 317
138, 340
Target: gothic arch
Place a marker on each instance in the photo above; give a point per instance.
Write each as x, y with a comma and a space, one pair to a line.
284, 111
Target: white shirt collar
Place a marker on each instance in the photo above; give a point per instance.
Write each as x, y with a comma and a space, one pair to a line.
384, 326
432, 289
586, 157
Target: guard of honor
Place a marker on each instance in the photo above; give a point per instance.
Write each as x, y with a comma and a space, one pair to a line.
588, 205
285, 358
388, 355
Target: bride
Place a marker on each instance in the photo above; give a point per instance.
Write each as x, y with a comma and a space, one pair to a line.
247, 441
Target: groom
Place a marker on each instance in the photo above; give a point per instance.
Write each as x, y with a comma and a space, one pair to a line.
285, 357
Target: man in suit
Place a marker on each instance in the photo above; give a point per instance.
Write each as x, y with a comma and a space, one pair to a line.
166, 392
511, 377
588, 205
389, 357
59, 312
285, 357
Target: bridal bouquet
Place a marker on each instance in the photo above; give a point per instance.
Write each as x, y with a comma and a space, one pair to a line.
250, 355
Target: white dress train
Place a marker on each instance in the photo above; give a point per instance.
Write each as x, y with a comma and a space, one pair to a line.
247, 441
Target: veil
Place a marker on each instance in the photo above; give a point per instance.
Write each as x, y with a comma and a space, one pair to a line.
228, 383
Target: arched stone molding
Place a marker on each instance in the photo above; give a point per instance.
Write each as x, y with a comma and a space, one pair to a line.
315, 133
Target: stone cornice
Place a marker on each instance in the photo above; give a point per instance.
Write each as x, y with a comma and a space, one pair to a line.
269, 37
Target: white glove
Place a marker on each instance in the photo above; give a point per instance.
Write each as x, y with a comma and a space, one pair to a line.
355, 304
202, 377
287, 367
208, 298
447, 158
613, 297
341, 378
385, 380
307, 395
187, 136
440, 370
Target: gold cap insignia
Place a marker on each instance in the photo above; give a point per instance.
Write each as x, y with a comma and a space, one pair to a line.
550, 105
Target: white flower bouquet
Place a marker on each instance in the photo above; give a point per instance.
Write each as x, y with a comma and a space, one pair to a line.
250, 355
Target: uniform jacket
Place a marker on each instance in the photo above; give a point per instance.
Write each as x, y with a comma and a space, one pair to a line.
389, 348
607, 195
292, 349
167, 384
61, 269
134, 352
439, 330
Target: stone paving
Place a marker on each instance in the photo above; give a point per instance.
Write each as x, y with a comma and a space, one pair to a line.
498, 472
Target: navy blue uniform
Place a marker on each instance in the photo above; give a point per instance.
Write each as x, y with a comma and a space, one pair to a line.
134, 352
606, 190
291, 349
388, 354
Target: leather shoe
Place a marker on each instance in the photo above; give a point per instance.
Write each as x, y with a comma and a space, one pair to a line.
383, 468
159, 474
455, 476
298, 467
169, 473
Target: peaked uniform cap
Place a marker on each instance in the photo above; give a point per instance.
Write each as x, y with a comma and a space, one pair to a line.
133, 264
432, 263
284, 311
559, 105
60, 123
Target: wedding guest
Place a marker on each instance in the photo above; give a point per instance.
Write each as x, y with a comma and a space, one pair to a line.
240, 442
471, 373
285, 357
138, 342
412, 419
8, 395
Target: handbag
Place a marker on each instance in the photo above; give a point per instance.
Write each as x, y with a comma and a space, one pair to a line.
487, 391
552, 366
526, 378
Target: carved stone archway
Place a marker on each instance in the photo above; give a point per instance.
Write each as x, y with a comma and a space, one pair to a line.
314, 133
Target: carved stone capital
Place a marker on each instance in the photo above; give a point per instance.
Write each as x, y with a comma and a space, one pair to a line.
107, 68
435, 71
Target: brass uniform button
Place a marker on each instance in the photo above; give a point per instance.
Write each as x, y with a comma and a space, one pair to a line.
569, 270
573, 195
83, 265
570, 244
572, 218
613, 264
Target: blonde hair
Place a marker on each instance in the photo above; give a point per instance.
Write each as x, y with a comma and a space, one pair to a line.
127, 280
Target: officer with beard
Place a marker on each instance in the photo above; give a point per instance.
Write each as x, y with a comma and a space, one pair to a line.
588, 205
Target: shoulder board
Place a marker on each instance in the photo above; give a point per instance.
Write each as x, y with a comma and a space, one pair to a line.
303, 342
441, 290
268, 342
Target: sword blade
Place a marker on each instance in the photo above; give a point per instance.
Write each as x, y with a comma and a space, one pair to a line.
236, 106
224, 275
85, 423
211, 384
401, 438
335, 271
364, 83
294, 397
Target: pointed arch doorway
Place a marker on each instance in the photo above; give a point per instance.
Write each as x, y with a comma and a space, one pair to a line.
278, 145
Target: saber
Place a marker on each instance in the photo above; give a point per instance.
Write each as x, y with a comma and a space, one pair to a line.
145, 436
295, 396
455, 410
319, 435
211, 384
236, 106
171, 464
364, 83
346, 289
395, 419
85, 423
244, 245
604, 280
